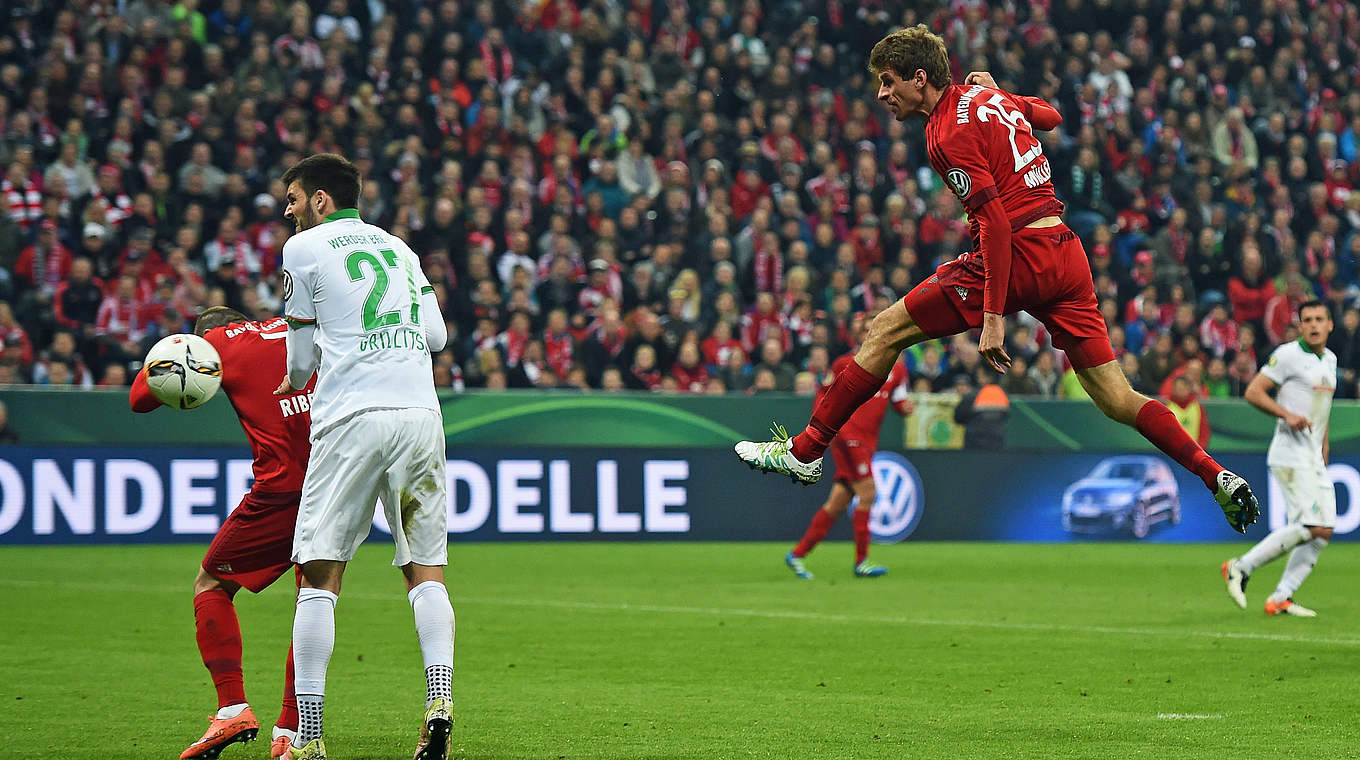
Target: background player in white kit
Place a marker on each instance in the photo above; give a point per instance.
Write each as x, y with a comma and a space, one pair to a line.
1305, 372
356, 297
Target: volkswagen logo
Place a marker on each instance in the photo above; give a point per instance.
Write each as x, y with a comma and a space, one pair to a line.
900, 498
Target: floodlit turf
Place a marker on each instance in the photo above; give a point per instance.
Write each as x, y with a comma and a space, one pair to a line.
644, 651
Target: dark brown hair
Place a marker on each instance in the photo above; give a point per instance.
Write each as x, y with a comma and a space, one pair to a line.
330, 172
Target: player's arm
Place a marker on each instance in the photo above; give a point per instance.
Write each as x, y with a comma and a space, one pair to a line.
436, 332
300, 311
1258, 395
968, 174
1327, 443
140, 398
994, 234
1037, 111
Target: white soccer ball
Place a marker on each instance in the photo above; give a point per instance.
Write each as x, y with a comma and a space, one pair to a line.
183, 371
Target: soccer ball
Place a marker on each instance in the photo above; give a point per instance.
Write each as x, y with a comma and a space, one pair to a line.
183, 371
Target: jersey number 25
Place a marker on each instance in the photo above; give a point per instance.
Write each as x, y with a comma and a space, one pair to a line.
996, 107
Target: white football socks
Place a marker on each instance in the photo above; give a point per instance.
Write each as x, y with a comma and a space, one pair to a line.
434, 628
1296, 570
313, 642
1277, 543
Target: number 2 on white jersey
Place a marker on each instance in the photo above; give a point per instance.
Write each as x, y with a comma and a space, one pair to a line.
372, 319
996, 106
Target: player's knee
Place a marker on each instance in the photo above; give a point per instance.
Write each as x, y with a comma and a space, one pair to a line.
205, 582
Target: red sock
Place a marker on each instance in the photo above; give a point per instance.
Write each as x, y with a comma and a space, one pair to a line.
852, 387
288, 716
860, 519
219, 641
1157, 424
821, 523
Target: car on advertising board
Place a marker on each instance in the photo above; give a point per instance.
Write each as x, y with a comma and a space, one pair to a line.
1123, 493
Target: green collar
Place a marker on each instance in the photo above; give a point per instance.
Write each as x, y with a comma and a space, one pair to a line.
344, 213
1302, 344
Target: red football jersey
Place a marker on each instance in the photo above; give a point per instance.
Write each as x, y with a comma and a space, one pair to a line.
981, 142
864, 424
277, 427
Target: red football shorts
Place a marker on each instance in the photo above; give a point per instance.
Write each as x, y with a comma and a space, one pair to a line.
1050, 279
854, 460
255, 544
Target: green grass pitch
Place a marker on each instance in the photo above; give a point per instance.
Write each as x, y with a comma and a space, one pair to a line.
657, 651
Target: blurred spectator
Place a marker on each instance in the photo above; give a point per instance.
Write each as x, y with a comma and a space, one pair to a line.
983, 414
1184, 403
1204, 160
8, 436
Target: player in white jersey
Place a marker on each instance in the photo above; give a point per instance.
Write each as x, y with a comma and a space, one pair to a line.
1305, 373
357, 300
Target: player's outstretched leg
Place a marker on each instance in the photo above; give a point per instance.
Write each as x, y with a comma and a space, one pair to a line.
800, 457
1110, 391
219, 643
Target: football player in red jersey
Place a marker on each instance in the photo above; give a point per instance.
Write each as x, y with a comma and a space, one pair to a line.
853, 452
254, 546
980, 140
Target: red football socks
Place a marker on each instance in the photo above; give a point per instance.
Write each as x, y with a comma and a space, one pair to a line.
288, 717
852, 387
1157, 424
817, 530
860, 519
219, 641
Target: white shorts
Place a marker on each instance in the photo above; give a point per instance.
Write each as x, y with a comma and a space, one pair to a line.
1309, 496
396, 455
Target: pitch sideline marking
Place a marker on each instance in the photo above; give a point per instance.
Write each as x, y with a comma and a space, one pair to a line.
772, 614
1188, 716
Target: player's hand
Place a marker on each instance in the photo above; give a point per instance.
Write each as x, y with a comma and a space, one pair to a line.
983, 78
908, 406
992, 343
285, 387
1297, 421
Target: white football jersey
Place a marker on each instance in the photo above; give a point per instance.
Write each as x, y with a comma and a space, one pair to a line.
1306, 384
361, 287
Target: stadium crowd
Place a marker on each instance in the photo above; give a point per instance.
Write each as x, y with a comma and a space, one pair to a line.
671, 196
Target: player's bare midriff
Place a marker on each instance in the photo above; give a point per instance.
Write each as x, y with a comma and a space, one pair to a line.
1048, 221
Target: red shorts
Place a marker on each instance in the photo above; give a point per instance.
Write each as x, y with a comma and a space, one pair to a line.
1050, 279
255, 544
854, 460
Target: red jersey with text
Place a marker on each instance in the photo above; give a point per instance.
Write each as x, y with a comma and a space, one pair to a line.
253, 361
981, 142
864, 424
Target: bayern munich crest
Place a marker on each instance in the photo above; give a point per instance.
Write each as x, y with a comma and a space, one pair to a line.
900, 498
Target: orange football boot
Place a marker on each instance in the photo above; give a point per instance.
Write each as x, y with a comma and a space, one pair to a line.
220, 733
